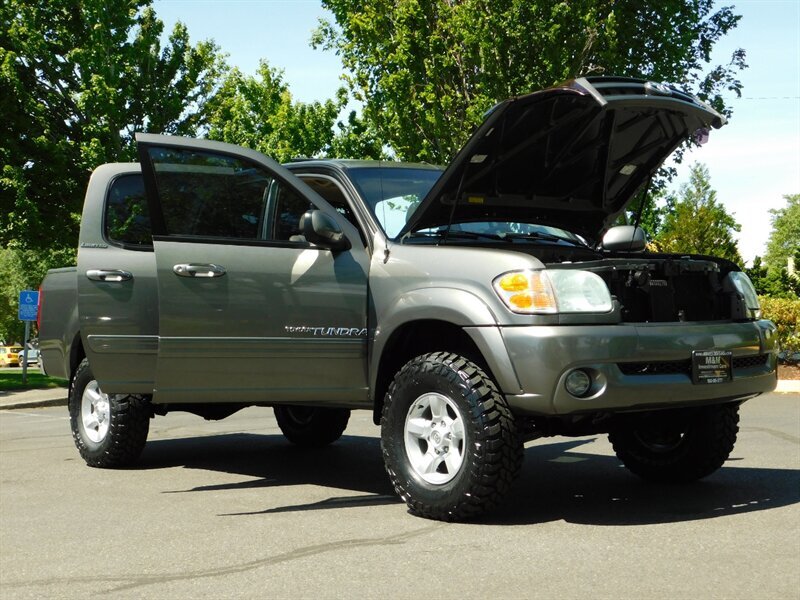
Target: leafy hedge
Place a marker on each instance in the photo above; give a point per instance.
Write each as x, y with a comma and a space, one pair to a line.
786, 315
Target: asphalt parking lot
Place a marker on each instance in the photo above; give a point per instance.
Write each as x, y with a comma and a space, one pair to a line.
229, 509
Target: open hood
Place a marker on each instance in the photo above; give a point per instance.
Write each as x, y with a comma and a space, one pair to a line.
571, 156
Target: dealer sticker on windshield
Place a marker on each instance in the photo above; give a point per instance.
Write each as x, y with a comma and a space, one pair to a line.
712, 366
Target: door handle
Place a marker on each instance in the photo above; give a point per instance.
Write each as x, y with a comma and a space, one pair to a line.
108, 275
192, 270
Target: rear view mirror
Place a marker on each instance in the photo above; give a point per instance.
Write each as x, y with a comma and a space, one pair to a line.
322, 230
626, 238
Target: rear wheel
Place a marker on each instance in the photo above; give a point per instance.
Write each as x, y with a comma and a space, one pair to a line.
448, 438
110, 430
310, 425
676, 446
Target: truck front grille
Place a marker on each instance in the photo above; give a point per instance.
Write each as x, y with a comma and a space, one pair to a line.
684, 367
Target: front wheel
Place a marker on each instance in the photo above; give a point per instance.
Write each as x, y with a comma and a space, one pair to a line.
110, 430
448, 438
677, 446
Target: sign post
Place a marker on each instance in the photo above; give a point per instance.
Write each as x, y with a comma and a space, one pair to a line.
28, 311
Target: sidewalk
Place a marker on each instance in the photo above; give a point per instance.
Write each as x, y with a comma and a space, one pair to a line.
788, 386
32, 398
58, 396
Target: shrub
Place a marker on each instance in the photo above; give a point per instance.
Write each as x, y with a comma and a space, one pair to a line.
785, 314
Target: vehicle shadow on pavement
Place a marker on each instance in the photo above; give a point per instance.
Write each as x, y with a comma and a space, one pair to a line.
557, 482
353, 463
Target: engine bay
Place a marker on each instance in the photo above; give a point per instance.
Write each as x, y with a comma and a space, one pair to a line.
664, 288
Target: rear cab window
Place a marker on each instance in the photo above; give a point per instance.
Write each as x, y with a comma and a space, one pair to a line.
126, 220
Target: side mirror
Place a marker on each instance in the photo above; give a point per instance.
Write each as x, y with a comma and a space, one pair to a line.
626, 238
322, 230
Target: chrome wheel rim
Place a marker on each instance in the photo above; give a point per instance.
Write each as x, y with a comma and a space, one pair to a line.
434, 438
95, 412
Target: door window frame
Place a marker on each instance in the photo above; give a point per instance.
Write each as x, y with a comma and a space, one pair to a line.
271, 168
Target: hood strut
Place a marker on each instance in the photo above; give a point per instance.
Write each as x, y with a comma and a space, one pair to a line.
453, 208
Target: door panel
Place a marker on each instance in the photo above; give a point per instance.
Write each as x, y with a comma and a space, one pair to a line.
117, 291
249, 311
261, 332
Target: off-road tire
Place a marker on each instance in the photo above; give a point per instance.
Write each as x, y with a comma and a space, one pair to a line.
311, 426
702, 439
128, 425
492, 450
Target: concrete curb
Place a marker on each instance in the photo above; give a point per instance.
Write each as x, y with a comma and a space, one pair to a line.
33, 399
33, 403
788, 386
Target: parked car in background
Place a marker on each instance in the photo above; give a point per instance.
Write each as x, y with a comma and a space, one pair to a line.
32, 356
10, 356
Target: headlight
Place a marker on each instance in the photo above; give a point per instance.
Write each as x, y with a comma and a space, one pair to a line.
553, 291
744, 289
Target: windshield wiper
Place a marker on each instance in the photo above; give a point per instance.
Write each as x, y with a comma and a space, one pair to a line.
471, 235
537, 235
498, 237
456, 233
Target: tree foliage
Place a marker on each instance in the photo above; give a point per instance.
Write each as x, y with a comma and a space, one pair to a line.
695, 223
785, 313
427, 70
77, 79
259, 112
773, 277
356, 138
775, 282
784, 239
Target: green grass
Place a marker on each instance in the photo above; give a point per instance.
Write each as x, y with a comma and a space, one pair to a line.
11, 379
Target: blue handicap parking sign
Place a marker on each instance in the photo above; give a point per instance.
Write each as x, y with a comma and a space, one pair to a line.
28, 305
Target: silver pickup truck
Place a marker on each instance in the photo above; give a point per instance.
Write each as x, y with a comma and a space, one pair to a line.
471, 308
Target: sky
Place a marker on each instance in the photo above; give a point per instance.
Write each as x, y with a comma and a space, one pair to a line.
753, 161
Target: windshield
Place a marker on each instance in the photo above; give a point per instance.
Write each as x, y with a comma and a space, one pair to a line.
393, 193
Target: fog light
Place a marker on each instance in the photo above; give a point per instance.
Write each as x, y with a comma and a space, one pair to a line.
578, 383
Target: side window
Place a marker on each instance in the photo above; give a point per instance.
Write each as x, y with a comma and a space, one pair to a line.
209, 195
127, 220
334, 195
289, 207
394, 212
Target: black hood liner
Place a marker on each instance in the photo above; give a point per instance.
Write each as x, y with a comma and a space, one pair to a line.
572, 156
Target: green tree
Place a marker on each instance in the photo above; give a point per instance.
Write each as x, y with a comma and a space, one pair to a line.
784, 239
654, 207
259, 112
758, 275
356, 138
427, 70
77, 79
696, 223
